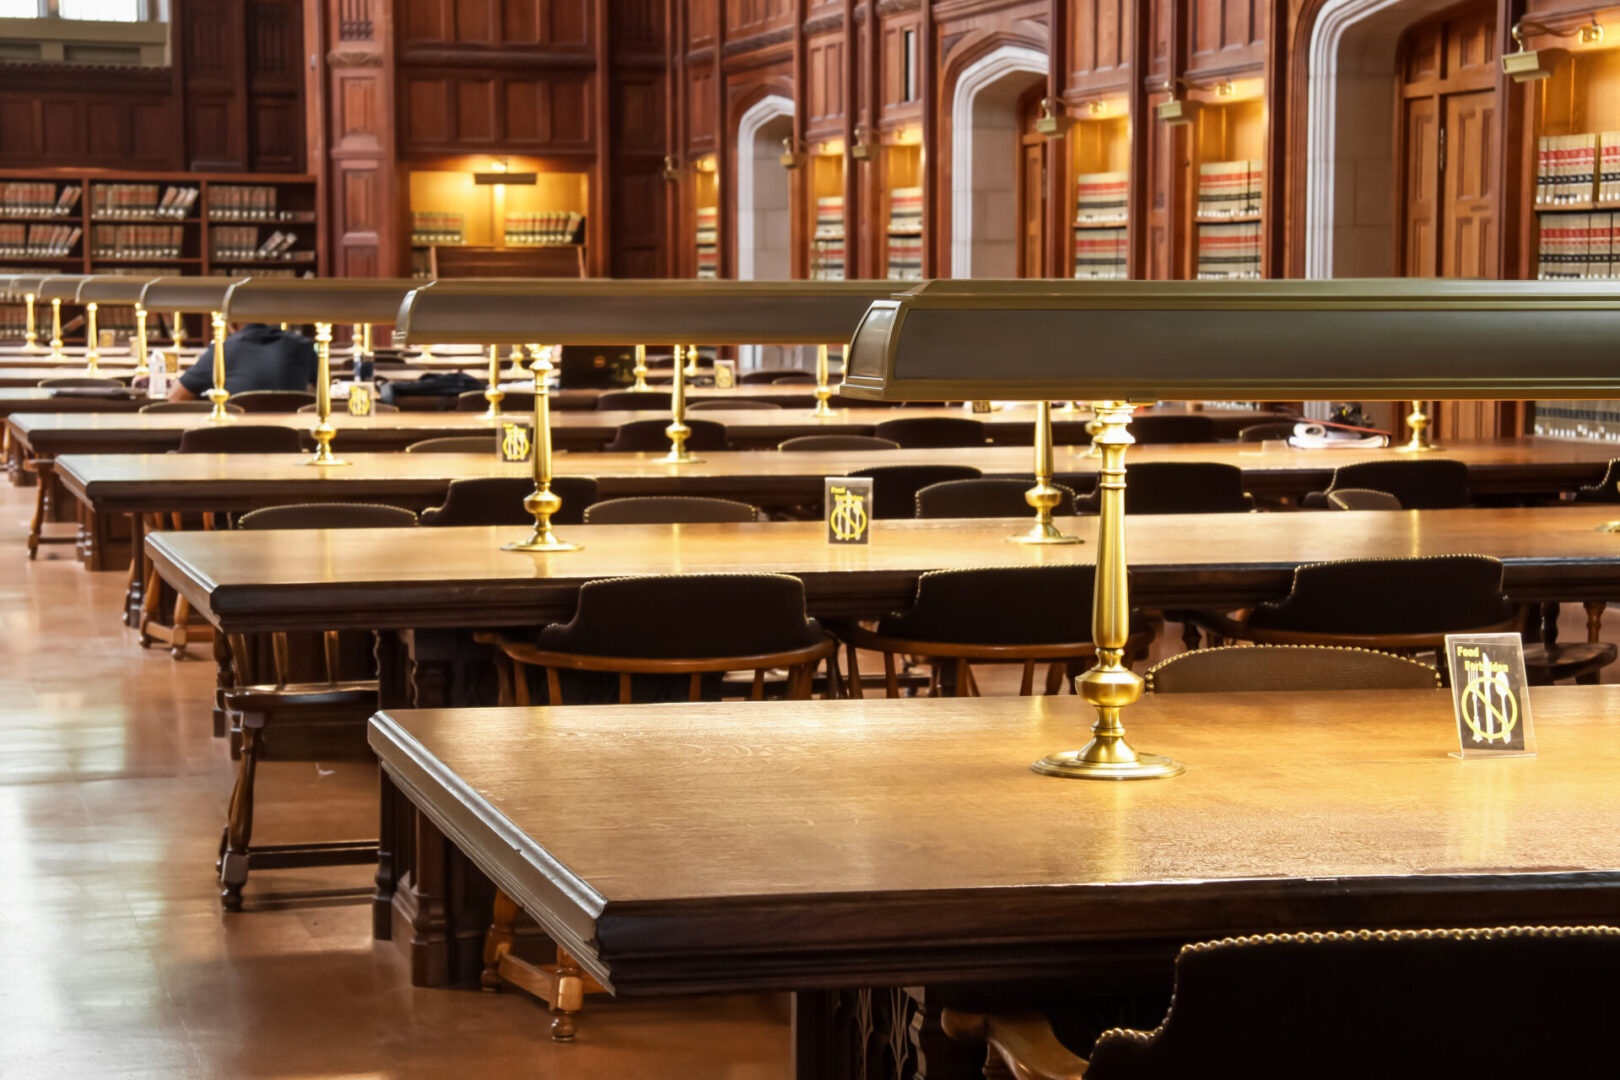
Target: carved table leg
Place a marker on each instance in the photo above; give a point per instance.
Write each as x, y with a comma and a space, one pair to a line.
233, 866
41, 506
1594, 619
136, 583
498, 942
570, 997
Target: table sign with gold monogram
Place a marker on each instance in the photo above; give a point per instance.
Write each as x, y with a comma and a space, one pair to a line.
517, 444
848, 502
1488, 695
361, 398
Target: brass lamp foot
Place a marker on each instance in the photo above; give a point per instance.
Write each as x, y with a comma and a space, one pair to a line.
541, 540
680, 457
1608, 527
1043, 533
1105, 762
218, 414
324, 456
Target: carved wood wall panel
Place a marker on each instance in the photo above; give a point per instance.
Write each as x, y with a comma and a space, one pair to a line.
457, 112
1099, 50
105, 129
824, 85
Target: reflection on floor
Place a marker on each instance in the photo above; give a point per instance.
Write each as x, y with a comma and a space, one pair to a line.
115, 960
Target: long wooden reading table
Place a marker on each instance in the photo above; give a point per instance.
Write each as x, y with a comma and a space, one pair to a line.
819, 846
34, 374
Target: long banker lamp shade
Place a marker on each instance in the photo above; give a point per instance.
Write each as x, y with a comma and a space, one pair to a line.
1377, 339
63, 287
112, 289
635, 312
318, 300
188, 295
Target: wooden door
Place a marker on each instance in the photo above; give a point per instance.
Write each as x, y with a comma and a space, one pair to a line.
1031, 187
1420, 239
1469, 166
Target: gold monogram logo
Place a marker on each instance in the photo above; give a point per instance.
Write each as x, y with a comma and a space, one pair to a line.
1490, 708
514, 442
359, 401
848, 517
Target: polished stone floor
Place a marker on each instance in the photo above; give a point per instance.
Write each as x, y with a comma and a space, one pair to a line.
115, 959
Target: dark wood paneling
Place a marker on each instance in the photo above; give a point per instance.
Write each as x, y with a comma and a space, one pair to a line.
1225, 35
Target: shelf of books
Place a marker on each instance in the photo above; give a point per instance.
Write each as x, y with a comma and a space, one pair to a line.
826, 177
706, 213
541, 209
1230, 198
903, 206
1577, 192
1099, 162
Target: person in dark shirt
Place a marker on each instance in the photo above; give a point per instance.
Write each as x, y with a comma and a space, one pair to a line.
257, 357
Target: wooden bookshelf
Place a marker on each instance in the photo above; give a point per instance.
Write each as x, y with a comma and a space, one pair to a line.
1229, 184
1099, 144
706, 217
1577, 217
902, 197
826, 211
459, 227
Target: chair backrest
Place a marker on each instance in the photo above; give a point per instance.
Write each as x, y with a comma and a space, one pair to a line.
1606, 490
932, 432
1396, 1004
793, 377
895, 487
837, 442
998, 605
632, 400
1362, 499
241, 439
985, 496
1237, 668
713, 404
1420, 484
514, 401
1178, 487
327, 516
341, 407
1191, 428
83, 382
1274, 429
720, 615
187, 406
498, 500
668, 510
455, 444
257, 401
1427, 595
765, 376
648, 435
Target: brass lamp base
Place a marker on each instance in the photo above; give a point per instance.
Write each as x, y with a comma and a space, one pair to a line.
492, 414
1415, 447
1090, 764
219, 414
1608, 527
324, 457
541, 540
822, 408
1043, 533
680, 457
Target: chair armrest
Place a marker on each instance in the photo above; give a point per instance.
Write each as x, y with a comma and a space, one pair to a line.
1024, 1041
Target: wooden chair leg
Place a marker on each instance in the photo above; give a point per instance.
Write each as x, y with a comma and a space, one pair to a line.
498, 941
36, 527
179, 635
854, 674
233, 863
570, 997
1594, 619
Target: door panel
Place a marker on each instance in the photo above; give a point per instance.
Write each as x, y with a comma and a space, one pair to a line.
1470, 199
1031, 209
1419, 195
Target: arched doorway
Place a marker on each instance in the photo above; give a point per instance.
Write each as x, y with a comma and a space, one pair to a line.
987, 161
764, 210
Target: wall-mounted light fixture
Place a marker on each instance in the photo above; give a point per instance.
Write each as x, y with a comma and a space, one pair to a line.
1052, 122
1224, 88
499, 173
792, 156
864, 143
672, 168
1178, 111
1097, 108
1528, 65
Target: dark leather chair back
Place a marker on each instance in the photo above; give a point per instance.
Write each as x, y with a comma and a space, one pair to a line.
81, 382
640, 436
1275, 429
766, 376
1179, 487
895, 487
455, 444
633, 400
986, 496
1606, 490
932, 432
257, 401
668, 510
327, 516
188, 406
1436, 594
1362, 499
498, 500
837, 442
241, 439
999, 605
1424, 484
719, 615
719, 404
1287, 667
1191, 428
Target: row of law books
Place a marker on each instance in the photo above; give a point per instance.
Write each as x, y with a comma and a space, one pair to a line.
1229, 251
542, 227
827, 259
905, 234
1100, 254
437, 227
242, 242
1578, 169
38, 241
830, 217
141, 200
1101, 197
270, 272
136, 241
1229, 189
37, 198
1579, 247
708, 241
1597, 421
244, 202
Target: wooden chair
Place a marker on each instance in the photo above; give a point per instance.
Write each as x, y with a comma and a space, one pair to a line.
242, 439
1421, 484
377, 408
1362, 499
456, 444
1193, 428
515, 401
1178, 487
81, 382
187, 407
259, 401
895, 487
932, 432
1272, 429
818, 443
997, 615
647, 436
987, 496
1236, 668
649, 636
1392, 1004
794, 377
283, 707
720, 404
498, 500
767, 376
632, 401
668, 510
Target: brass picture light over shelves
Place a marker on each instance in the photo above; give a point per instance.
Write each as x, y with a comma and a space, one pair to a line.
1527, 65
